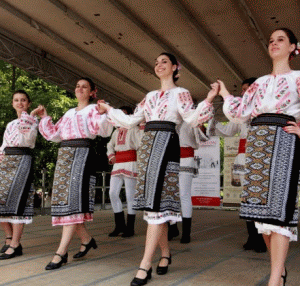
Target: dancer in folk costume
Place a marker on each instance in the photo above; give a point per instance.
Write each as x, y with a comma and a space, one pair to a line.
190, 139
159, 155
272, 155
255, 240
121, 152
16, 174
73, 192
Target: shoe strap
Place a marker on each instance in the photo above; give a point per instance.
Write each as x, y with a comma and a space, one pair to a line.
8, 238
169, 258
87, 243
14, 248
61, 256
144, 269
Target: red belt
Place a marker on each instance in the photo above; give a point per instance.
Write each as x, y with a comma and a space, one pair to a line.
186, 152
242, 146
125, 156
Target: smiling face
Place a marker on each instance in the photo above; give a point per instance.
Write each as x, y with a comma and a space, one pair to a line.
164, 67
83, 90
20, 102
280, 46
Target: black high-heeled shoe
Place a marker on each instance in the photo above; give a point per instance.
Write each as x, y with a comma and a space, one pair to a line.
5, 246
162, 270
88, 246
139, 281
51, 265
284, 277
18, 251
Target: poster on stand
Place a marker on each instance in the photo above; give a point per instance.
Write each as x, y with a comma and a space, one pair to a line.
232, 182
206, 183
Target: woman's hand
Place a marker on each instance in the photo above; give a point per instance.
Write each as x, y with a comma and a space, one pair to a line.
102, 107
40, 111
215, 87
292, 128
223, 90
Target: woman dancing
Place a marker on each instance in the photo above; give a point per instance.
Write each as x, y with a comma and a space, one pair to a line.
73, 192
272, 104
158, 157
16, 193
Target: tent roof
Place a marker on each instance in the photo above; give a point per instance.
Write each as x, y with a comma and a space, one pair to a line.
116, 42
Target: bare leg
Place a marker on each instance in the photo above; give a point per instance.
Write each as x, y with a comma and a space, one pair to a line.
7, 227
16, 237
67, 234
154, 232
164, 246
279, 245
267, 239
84, 236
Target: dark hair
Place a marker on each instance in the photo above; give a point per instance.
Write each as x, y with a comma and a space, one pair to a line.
92, 86
91, 83
128, 109
174, 62
249, 81
22, 92
292, 38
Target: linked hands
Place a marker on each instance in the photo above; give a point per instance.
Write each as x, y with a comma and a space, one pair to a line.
215, 87
102, 107
40, 111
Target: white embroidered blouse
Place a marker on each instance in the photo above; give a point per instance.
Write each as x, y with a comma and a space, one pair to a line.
85, 123
124, 139
20, 132
172, 105
268, 94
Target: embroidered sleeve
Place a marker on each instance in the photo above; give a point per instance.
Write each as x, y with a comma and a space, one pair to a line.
50, 131
2, 151
239, 110
26, 130
195, 117
98, 124
119, 118
298, 85
27, 123
111, 145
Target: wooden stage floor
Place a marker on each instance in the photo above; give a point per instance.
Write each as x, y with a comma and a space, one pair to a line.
214, 257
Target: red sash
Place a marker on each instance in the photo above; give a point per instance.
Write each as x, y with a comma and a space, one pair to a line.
242, 146
125, 156
186, 152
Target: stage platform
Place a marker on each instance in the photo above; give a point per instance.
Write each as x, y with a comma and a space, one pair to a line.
214, 257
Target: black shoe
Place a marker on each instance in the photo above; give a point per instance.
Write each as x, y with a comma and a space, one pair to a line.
120, 224
138, 281
5, 246
88, 246
17, 252
172, 231
162, 270
51, 265
284, 277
